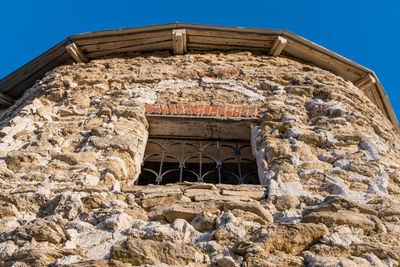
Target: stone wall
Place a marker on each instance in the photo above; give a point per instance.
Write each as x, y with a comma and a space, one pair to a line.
72, 146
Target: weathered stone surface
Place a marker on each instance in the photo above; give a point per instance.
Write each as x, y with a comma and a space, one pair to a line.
282, 260
17, 159
9, 210
176, 212
41, 231
8, 175
253, 207
258, 195
192, 193
139, 252
37, 255
79, 262
289, 238
118, 222
68, 204
336, 203
343, 217
71, 151
160, 199
75, 158
287, 202
393, 210
203, 222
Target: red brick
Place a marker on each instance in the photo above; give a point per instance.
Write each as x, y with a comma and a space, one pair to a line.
244, 112
181, 109
188, 110
172, 109
229, 111
183, 75
214, 110
228, 71
164, 109
201, 109
207, 110
209, 74
221, 111
156, 108
252, 112
260, 112
195, 110
237, 110
149, 108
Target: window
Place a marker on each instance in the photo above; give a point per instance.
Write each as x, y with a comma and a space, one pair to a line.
198, 149
198, 160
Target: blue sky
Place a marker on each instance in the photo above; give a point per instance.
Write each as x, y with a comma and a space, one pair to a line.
367, 32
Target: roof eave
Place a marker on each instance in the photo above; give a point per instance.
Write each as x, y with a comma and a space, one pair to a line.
15, 83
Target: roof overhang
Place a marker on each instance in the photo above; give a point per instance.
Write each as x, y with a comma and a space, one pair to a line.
182, 37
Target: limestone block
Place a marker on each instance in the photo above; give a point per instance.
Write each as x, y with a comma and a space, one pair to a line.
287, 202
176, 212
75, 158
203, 222
253, 207
257, 195
342, 217
289, 238
17, 159
139, 252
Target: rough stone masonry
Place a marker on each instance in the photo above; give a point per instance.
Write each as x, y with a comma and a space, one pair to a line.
71, 149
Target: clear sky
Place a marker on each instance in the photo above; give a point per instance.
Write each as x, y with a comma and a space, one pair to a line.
367, 32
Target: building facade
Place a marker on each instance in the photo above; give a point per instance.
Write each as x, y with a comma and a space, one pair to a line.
197, 145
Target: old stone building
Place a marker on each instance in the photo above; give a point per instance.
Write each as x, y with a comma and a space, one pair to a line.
184, 144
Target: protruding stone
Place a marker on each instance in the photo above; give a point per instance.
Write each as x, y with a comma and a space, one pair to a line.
253, 207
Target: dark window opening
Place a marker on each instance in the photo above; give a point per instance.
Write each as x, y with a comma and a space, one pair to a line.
209, 161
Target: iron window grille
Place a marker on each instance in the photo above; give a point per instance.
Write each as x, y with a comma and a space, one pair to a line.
212, 161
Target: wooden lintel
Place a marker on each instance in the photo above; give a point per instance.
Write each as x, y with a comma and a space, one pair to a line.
278, 46
179, 41
76, 54
365, 81
6, 100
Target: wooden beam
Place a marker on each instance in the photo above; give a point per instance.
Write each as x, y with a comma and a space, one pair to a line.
323, 59
87, 49
245, 43
6, 100
165, 45
278, 46
21, 74
121, 38
199, 46
195, 127
179, 41
365, 82
231, 35
38, 74
76, 54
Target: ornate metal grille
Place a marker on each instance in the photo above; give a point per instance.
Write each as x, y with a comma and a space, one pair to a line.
173, 160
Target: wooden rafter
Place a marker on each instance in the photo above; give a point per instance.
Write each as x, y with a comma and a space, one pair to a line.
278, 46
76, 54
179, 41
365, 82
